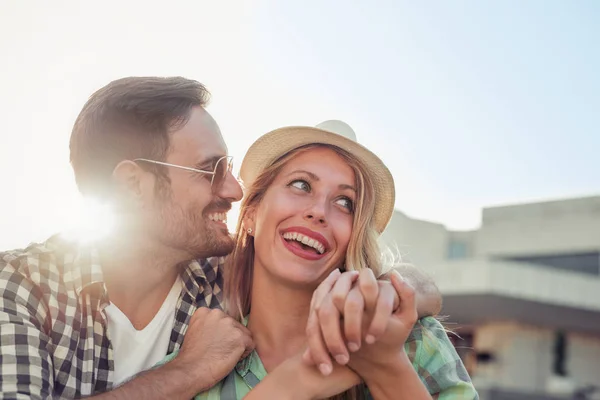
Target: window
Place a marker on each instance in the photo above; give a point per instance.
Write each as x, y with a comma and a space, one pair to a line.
457, 250
560, 354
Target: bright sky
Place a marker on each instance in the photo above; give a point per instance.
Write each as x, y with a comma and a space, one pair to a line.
469, 103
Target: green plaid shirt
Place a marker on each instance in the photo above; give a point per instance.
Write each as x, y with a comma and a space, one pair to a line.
428, 347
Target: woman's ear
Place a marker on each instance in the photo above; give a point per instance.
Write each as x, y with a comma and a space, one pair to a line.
248, 222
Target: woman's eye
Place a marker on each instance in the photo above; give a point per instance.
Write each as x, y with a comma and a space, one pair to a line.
346, 203
300, 184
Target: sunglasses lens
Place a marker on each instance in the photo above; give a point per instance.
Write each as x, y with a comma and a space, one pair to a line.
223, 166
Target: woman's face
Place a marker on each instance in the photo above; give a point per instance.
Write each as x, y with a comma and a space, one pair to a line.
303, 224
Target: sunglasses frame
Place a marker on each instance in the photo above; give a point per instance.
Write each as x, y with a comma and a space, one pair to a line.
198, 171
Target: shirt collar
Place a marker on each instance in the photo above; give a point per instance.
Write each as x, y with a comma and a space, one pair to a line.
83, 270
81, 263
197, 276
252, 364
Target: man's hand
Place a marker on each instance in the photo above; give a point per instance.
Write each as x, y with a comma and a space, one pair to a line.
213, 344
427, 295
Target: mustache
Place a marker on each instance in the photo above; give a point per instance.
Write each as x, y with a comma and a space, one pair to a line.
220, 205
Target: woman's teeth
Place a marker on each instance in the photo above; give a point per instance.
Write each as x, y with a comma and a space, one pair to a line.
305, 240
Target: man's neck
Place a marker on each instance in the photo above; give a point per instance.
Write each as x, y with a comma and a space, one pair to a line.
138, 275
277, 319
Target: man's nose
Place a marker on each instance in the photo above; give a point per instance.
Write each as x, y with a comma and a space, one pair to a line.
231, 189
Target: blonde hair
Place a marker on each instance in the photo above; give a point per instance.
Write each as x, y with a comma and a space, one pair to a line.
362, 252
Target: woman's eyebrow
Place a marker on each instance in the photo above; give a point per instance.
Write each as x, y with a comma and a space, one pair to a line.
310, 174
314, 177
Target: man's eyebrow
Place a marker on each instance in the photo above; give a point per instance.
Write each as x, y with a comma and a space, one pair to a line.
314, 177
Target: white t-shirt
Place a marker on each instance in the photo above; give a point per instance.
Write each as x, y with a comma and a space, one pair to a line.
136, 351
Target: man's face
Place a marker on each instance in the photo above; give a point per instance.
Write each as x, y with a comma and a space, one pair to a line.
187, 214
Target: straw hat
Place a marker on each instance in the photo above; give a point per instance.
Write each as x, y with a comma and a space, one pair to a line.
275, 144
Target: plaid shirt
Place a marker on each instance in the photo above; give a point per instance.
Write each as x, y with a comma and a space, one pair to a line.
432, 354
53, 330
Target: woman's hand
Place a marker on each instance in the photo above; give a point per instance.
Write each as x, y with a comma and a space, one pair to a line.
365, 305
295, 379
388, 348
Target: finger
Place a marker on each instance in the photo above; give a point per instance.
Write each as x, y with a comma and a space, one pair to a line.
242, 328
324, 288
342, 288
249, 345
199, 314
369, 289
329, 320
316, 346
383, 312
407, 309
353, 317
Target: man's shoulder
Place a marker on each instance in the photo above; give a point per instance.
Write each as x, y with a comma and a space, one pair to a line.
22, 260
42, 264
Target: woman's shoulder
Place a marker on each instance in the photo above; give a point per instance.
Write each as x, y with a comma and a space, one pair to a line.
427, 326
436, 361
429, 340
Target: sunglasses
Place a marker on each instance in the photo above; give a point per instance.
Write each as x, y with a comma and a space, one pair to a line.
219, 174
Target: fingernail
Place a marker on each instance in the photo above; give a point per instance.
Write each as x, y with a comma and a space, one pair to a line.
370, 339
325, 369
335, 272
341, 359
353, 346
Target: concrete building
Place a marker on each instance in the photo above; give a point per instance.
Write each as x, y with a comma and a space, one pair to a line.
522, 292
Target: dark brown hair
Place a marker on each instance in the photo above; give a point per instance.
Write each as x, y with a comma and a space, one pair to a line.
129, 118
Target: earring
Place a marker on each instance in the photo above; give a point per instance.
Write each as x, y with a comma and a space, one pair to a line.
249, 230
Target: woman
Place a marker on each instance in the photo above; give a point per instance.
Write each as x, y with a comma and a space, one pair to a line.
316, 202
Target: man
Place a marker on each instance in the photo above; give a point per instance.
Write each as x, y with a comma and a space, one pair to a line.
79, 320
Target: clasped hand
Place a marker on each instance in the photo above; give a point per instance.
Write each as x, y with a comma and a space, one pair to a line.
360, 322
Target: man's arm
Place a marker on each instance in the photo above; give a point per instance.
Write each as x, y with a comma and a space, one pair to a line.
214, 343
427, 295
174, 380
26, 363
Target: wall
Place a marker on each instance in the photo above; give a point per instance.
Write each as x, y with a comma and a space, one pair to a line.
543, 228
419, 242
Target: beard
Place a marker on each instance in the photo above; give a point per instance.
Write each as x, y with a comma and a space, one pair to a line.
189, 229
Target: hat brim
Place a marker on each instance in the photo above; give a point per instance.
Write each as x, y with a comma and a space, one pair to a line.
275, 144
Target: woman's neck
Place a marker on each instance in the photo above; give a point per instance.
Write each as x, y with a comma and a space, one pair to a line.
277, 319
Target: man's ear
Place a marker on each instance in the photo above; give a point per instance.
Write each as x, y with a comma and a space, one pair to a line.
130, 181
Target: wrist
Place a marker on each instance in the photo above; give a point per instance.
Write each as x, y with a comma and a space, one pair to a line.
287, 382
384, 369
197, 376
